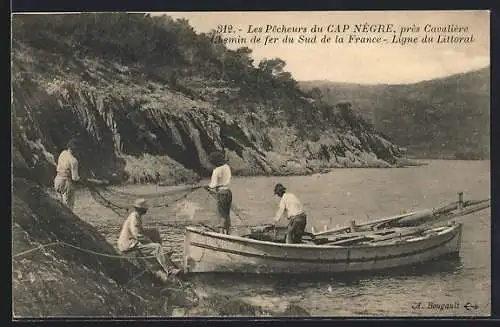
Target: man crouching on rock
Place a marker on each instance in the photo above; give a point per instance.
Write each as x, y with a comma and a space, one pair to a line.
133, 238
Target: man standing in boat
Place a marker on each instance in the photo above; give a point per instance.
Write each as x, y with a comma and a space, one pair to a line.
219, 185
67, 174
292, 209
133, 238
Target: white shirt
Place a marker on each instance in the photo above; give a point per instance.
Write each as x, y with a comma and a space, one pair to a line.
221, 177
67, 166
290, 206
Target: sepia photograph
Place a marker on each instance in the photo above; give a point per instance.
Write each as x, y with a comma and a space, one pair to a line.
251, 164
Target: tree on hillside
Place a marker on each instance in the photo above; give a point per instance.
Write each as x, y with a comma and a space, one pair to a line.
280, 78
243, 54
237, 64
275, 66
353, 119
316, 93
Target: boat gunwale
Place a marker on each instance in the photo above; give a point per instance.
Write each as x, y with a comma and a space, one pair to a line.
240, 239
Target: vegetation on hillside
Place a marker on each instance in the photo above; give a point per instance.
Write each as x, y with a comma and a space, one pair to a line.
446, 117
169, 51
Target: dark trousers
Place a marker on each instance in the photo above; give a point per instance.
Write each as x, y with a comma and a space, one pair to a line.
296, 228
224, 202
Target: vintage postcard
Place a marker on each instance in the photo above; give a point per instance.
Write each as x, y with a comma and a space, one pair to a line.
263, 164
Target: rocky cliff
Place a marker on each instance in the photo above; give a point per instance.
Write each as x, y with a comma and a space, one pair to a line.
139, 126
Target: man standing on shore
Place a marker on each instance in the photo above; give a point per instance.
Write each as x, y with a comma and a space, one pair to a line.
67, 174
133, 238
219, 185
292, 209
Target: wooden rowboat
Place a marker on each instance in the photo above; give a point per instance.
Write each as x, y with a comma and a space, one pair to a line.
392, 242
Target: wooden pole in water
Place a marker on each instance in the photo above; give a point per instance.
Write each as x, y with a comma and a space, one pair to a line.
460, 200
353, 226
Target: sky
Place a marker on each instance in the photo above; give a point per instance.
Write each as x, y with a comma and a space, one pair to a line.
390, 63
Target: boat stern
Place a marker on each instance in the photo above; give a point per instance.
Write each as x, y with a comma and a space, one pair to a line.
453, 246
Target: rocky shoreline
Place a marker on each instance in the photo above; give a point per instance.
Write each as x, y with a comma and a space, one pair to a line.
145, 131
152, 176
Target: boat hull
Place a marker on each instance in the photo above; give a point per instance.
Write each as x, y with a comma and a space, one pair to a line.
206, 251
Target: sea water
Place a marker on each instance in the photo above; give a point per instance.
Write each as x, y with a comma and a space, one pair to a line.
446, 287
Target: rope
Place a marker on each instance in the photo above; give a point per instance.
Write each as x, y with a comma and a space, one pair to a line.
148, 195
99, 198
83, 250
183, 286
186, 194
35, 249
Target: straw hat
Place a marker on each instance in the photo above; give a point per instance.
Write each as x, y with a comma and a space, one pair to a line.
141, 204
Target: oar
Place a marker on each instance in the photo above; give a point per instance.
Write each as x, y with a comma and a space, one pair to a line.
366, 224
462, 212
407, 231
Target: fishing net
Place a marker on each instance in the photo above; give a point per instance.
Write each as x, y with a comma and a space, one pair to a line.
120, 201
176, 207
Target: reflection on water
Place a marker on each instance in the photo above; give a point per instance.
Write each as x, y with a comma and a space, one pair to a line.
334, 199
